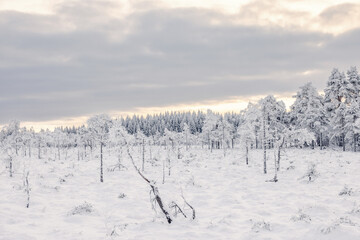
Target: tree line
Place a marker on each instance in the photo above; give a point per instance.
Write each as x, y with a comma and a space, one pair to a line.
314, 120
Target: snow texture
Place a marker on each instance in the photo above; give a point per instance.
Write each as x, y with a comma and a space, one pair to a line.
232, 200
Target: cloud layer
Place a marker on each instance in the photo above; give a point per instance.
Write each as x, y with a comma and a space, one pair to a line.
85, 59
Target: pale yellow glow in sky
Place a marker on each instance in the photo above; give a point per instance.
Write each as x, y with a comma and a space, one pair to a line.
232, 105
76, 121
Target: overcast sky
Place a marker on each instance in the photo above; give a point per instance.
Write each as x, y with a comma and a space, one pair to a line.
61, 61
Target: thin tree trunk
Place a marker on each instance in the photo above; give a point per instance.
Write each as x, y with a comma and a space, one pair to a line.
256, 140
279, 153
91, 152
143, 156
169, 165
11, 166
39, 150
120, 155
193, 210
278, 158
154, 189
150, 152
355, 142
16, 147
275, 167
101, 163
321, 142
343, 138
223, 140
163, 179
264, 146
247, 154
209, 141
27, 189
186, 142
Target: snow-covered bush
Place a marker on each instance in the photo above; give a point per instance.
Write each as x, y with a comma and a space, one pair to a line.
83, 209
329, 229
355, 210
311, 173
258, 226
122, 195
346, 191
336, 224
301, 216
114, 231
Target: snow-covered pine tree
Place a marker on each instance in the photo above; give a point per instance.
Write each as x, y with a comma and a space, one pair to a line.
335, 100
352, 107
307, 112
352, 114
353, 78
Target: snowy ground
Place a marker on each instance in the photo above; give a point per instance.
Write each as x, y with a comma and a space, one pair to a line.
232, 200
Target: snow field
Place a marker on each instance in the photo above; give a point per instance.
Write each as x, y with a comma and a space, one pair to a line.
232, 200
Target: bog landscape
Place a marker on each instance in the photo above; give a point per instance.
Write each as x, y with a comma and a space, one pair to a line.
178, 119
263, 172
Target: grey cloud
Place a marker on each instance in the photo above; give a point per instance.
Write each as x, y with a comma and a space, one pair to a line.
343, 16
168, 57
340, 13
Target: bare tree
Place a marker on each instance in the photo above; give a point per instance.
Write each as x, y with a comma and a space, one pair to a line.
153, 187
154, 190
27, 188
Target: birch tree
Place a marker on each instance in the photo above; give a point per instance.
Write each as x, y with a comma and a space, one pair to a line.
273, 113
99, 126
10, 143
209, 125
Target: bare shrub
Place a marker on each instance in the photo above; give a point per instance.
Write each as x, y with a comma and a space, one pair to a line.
83, 209
346, 191
301, 217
